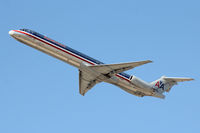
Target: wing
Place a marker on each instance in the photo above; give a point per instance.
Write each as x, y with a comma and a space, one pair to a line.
112, 69
86, 82
89, 76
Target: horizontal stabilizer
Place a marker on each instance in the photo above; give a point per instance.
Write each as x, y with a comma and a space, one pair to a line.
176, 79
112, 69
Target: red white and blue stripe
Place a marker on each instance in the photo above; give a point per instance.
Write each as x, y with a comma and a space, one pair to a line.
67, 50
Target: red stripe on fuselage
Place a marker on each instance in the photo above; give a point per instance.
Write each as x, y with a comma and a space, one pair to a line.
28, 34
54, 46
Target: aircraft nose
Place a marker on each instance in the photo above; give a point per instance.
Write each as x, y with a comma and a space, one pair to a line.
11, 32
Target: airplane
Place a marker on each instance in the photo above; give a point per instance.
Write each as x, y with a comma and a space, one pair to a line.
92, 71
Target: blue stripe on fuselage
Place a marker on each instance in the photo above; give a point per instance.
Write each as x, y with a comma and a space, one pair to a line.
69, 49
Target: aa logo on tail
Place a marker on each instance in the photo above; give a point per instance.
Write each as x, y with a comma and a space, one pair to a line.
160, 84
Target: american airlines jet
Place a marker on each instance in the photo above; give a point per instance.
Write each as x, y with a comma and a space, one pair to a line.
92, 71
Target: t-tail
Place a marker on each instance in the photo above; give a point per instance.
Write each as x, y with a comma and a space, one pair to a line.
164, 84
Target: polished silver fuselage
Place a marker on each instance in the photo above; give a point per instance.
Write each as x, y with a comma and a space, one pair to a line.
134, 85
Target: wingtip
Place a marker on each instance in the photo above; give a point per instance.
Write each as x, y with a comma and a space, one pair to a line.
190, 79
143, 62
148, 61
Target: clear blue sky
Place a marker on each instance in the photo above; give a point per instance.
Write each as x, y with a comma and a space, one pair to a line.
39, 94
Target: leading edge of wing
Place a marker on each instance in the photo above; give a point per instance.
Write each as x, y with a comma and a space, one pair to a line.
112, 69
135, 64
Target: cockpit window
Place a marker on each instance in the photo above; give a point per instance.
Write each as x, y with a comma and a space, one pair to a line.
32, 32
27, 30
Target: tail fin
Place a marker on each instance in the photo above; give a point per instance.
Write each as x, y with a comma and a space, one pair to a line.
166, 83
